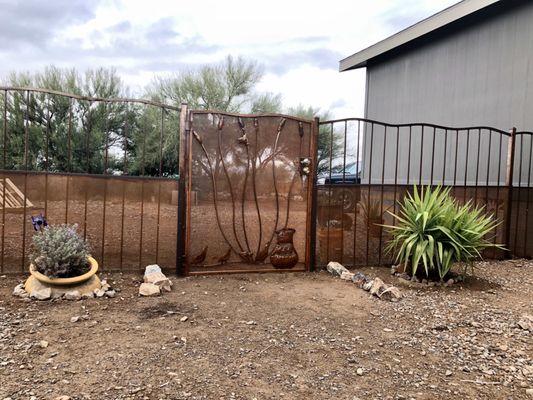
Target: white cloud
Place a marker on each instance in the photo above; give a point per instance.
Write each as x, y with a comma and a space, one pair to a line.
299, 42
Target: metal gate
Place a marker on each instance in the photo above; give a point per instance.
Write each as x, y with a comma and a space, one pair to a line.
247, 181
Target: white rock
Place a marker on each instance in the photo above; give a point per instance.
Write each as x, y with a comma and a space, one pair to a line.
110, 293
75, 318
184, 318
347, 276
153, 274
73, 295
42, 294
99, 292
360, 371
43, 344
336, 268
149, 289
19, 291
152, 268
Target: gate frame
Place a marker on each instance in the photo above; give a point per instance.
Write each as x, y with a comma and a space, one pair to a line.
184, 187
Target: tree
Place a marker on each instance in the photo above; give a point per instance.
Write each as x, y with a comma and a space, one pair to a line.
64, 134
329, 143
227, 86
84, 136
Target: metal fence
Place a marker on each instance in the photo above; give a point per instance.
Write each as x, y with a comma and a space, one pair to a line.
112, 167
108, 165
365, 167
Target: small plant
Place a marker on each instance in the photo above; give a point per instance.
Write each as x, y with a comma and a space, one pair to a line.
371, 210
434, 231
59, 252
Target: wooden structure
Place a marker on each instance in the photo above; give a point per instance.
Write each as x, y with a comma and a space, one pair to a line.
14, 198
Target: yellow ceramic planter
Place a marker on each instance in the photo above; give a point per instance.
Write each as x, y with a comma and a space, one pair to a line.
66, 281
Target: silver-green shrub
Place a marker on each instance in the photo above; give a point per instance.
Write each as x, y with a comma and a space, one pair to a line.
59, 252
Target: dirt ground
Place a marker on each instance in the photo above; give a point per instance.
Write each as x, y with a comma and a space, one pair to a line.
274, 336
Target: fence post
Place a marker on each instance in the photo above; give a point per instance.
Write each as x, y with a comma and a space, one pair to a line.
182, 171
509, 184
314, 175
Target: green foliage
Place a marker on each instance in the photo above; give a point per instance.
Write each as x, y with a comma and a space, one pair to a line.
227, 86
371, 210
113, 136
329, 143
59, 252
433, 231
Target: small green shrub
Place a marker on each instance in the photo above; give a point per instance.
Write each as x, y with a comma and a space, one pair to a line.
59, 252
434, 231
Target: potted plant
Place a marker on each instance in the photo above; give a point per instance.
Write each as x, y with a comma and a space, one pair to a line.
60, 260
372, 214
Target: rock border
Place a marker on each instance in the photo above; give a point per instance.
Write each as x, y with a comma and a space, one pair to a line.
47, 293
375, 286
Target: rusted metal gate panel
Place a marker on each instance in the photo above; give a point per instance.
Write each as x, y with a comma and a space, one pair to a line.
247, 178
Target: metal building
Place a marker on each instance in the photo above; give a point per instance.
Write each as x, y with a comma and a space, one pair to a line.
468, 65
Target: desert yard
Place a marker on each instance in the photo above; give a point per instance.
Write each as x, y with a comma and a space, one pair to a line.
275, 336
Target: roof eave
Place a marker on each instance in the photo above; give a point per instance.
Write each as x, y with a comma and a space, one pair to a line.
422, 28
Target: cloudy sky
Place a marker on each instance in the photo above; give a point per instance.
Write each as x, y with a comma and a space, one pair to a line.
299, 43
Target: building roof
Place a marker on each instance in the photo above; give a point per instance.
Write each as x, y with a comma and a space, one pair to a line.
422, 28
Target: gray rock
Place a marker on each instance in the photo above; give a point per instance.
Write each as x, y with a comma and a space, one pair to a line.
390, 293
42, 293
73, 295
336, 268
526, 322
359, 279
149, 289
367, 285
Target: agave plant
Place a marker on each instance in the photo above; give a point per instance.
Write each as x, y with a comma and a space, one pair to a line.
434, 231
371, 209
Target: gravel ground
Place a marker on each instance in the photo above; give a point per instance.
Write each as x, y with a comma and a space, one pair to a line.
276, 336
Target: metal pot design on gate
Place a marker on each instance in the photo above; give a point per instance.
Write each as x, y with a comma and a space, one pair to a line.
284, 254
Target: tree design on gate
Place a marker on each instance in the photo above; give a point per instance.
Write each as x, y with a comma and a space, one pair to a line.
248, 162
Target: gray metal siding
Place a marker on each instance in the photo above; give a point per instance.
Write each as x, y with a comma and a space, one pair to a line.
481, 75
